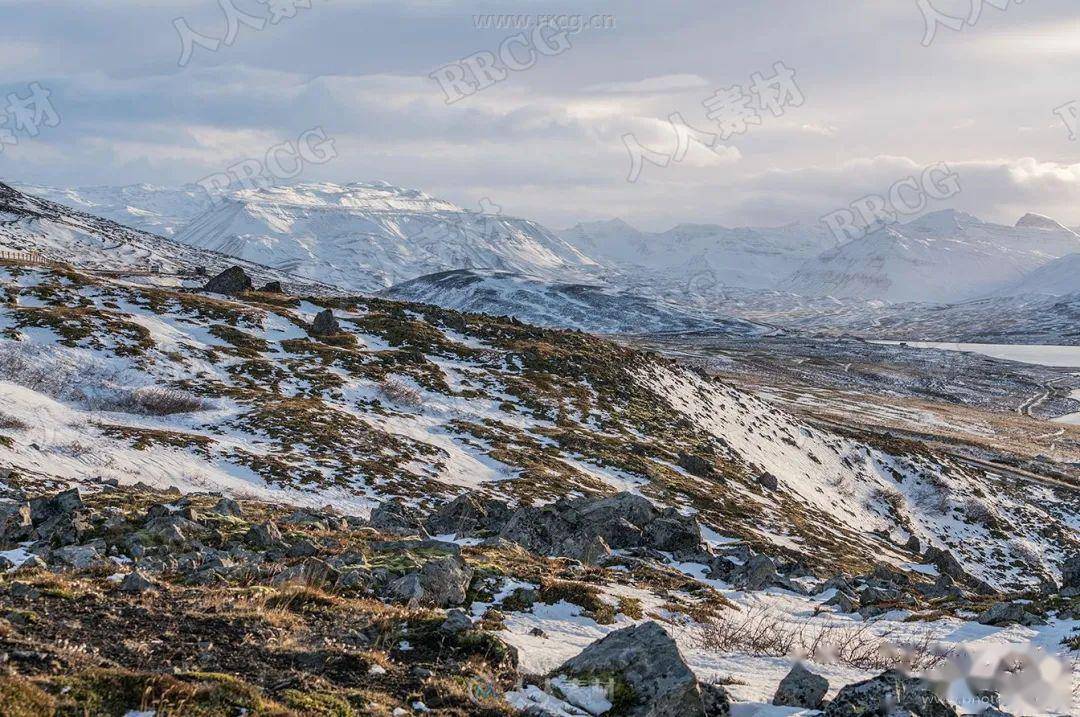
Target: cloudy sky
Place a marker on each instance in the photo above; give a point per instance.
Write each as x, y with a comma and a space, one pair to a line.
547, 141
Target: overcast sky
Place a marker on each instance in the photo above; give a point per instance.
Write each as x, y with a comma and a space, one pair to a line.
547, 142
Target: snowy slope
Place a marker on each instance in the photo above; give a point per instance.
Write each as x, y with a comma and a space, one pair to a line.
151, 208
943, 256
421, 402
58, 233
587, 307
698, 257
1059, 277
368, 236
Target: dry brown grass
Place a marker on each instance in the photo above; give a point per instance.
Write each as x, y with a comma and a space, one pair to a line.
758, 631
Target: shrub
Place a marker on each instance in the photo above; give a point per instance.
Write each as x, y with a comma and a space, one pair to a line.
398, 391
77, 376
760, 632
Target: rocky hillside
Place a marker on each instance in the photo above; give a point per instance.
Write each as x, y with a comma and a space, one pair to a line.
55, 232
390, 462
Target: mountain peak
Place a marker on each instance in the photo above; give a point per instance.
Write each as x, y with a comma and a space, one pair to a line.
1038, 221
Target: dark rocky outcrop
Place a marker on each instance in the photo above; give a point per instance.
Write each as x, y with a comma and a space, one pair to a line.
233, 280
801, 688
890, 693
325, 324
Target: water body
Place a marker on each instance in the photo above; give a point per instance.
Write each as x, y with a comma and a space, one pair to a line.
1067, 356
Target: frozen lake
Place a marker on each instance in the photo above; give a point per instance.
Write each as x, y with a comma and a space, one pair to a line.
1068, 356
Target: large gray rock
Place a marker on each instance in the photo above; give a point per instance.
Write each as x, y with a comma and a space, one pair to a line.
264, 535
78, 557
16, 523
325, 324
231, 281
1070, 573
394, 517
446, 581
888, 694
647, 661
1001, 614
757, 573
624, 521
801, 688
467, 515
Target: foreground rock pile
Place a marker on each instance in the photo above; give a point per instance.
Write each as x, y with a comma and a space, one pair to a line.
132, 598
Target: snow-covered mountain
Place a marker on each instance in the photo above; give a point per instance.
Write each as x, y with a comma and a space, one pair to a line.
587, 307
369, 236
943, 256
699, 257
58, 233
1059, 277
151, 208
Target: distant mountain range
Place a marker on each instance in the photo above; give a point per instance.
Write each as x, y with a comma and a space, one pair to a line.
599, 276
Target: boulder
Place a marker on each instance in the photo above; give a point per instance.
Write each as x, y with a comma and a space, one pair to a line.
311, 571
757, 573
16, 523
457, 620
272, 287
715, 700
264, 535
801, 688
233, 280
137, 583
890, 693
1070, 573
467, 515
673, 533
445, 581
394, 517
77, 557
229, 507
647, 662
768, 481
1009, 613
696, 465
325, 324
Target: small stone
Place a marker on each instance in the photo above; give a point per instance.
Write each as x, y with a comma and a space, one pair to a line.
228, 506
457, 620
136, 582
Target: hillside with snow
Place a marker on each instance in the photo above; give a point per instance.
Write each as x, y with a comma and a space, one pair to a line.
944, 256
1057, 278
587, 307
56, 232
150, 208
